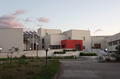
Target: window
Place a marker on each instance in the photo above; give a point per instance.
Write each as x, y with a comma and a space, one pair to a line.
114, 42
83, 38
83, 47
69, 37
54, 46
110, 43
43, 46
42, 41
97, 46
119, 41
46, 34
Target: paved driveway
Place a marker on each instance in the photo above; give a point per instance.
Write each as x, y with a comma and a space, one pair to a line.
89, 69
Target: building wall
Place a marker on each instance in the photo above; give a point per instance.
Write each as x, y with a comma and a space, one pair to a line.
54, 40
71, 44
78, 35
10, 38
115, 37
43, 32
99, 40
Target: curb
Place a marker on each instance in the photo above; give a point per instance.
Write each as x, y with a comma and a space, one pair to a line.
58, 73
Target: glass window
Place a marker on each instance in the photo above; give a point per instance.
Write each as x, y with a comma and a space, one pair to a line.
42, 46
110, 43
42, 41
114, 42
83, 38
83, 47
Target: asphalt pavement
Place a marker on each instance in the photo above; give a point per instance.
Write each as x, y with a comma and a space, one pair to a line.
89, 69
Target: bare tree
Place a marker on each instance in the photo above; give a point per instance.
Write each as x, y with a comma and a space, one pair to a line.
12, 50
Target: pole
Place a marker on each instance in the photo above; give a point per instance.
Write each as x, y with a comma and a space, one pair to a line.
33, 41
46, 64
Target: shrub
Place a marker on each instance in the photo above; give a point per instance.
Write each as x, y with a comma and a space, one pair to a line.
59, 52
87, 54
23, 57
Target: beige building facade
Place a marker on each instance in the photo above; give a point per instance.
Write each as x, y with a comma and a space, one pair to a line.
11, 38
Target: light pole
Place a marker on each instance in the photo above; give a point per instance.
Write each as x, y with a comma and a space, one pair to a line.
37, 50
46, 61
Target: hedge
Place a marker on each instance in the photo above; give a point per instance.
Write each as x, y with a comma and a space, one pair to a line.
88, 54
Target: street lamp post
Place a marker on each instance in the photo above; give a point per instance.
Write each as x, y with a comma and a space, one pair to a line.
37, 50
46, 61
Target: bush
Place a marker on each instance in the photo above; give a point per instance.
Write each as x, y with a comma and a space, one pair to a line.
87, 54
23, 57
59, 52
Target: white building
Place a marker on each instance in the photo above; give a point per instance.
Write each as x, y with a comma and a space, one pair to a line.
11, 38
112, 42
52, 38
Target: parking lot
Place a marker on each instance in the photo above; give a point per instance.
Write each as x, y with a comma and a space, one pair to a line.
89, 69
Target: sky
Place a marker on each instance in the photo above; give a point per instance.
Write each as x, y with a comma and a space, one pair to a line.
101, 17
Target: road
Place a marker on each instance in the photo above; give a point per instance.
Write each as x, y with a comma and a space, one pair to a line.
89, 69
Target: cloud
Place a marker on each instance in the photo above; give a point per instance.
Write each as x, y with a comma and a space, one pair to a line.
9, 21
19, 12
28, 20
43, 19
98, 30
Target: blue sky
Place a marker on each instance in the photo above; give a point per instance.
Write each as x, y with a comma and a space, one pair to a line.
101, 17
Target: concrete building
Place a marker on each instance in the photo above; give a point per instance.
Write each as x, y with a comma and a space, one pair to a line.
15, 37
98, 42
52, 38
112, 42
11, 38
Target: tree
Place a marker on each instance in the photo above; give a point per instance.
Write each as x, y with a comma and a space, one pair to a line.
12, 50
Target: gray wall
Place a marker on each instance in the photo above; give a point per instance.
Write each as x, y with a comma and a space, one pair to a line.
10, 38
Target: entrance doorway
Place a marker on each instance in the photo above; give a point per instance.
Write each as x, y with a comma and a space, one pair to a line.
78, 47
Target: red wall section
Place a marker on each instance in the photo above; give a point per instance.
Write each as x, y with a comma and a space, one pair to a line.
71, 44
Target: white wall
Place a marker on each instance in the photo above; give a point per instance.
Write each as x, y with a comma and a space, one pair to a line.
56, 39
42, 32
78, 35
11, 37
112, 38
41, 53
99, 40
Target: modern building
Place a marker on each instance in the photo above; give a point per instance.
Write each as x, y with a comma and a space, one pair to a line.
112, 42
55, 39
52, 38
11, 38
15, 37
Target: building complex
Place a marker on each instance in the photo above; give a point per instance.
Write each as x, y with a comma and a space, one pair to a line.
55, 39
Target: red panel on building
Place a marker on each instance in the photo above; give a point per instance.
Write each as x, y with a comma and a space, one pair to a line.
72, 44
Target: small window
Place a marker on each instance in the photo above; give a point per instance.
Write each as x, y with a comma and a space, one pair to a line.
46, 34
42, 41
69, 38
83, 47
83, 38
43, 46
